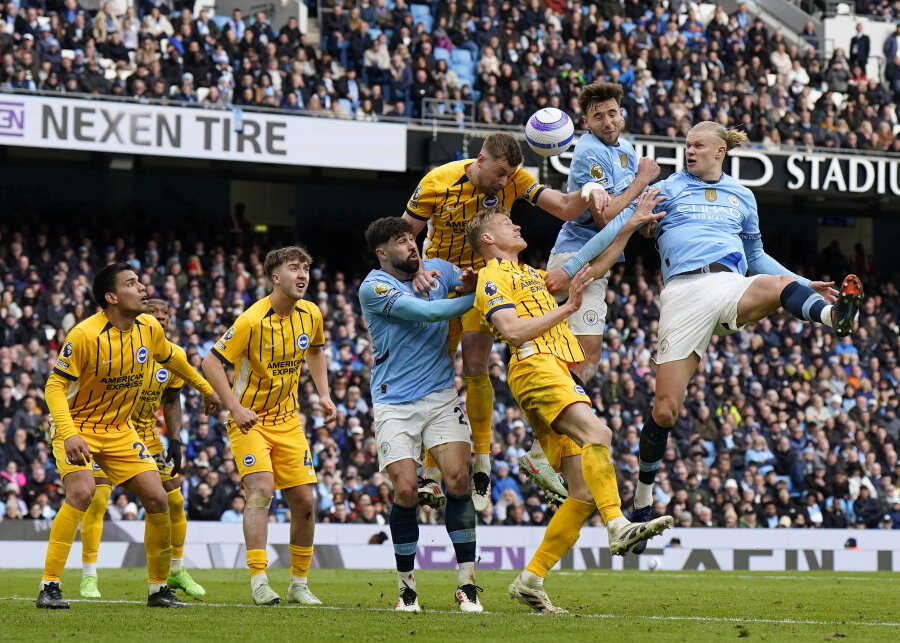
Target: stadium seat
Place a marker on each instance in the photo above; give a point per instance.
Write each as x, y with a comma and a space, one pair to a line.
346, 104
374, 32
220, 21
460, 55
420, 12
441, 54
628, 28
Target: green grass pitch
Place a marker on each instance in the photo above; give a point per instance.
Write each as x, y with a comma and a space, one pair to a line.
617, 606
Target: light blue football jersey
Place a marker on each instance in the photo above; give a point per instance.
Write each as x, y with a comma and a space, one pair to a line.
612, 166
411, 357
705, 222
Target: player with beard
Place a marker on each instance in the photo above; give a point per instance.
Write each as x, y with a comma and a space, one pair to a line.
415, 403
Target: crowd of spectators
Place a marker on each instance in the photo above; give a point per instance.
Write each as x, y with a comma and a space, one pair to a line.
679, 62
784, 425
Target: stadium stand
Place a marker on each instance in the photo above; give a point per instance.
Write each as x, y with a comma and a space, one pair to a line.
680, 62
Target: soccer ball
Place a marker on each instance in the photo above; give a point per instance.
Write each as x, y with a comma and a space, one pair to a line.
549, 131
654, 564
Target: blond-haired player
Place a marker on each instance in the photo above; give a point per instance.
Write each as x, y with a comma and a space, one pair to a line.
445, 200
520, 310
707, 242
266, 347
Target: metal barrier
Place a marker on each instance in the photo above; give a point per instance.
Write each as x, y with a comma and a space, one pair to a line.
448, 112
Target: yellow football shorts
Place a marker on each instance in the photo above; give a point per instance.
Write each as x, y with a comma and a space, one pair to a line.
543, 387
119, 455
280, 449
156, 449
471, 321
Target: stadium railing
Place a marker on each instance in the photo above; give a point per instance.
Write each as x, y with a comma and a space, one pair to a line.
430, 122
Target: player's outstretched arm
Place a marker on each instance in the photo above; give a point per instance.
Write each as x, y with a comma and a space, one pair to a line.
178, 364
318, 369
643, 214
518, 330
424, 279
647, 172
625, 223
414, 309
244, 418
570, 206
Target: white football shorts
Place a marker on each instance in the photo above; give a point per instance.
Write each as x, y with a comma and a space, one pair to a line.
402, 429
693, 308
590, 319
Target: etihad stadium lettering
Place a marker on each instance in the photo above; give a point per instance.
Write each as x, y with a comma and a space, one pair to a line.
797, 171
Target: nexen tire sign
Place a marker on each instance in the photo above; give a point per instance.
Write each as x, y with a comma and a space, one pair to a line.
133, 128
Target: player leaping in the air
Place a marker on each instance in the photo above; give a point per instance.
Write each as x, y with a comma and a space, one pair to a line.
707, 242
160, 385
415, 402
91, 393
600, 157
520, 310
266, 347
446, 199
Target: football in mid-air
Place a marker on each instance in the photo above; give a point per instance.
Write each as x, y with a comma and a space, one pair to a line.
549, 131
654, 564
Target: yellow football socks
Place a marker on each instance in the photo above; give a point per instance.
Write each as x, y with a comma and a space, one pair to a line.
301, 560
561, 534
480, 409
92, 523
62, 535
179, 522
429, 461
257, 561
158, 543
600, 476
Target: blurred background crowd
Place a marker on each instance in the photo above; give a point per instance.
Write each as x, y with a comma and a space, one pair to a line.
493, 62
783, 426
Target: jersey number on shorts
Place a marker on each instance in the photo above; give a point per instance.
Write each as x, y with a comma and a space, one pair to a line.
307, 461
462, 416
142, 450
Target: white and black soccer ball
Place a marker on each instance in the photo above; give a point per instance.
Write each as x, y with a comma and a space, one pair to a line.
654, 563
549, 131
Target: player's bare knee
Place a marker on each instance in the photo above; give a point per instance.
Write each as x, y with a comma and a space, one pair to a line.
264, 488
155, 501
665, 412
457, 482
80, 496
474, 370
406, 497
599, 434
783, 281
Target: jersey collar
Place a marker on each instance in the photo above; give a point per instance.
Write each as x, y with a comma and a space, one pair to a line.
697, 179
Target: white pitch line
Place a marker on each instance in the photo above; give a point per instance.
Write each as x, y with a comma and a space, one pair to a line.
801, 576
711, 619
